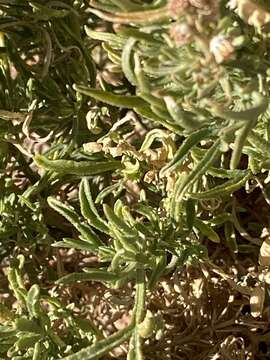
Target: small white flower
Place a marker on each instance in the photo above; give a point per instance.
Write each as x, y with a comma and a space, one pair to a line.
221, 47
181, 33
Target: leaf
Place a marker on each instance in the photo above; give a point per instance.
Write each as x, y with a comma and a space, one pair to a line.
111, 189
241, 137
259, 143
69, 213
19, 292
127, 61
118, 222
32, 301
146, 111
184, 149
223, 190
126, 101
157, 271
103, 347
80, 168
27, 341
121, 231
46, 13
25, 325
88, 208
196, 172
74, 244
206, 230
6, 332
90, 275
135, 17
37, 352
115, 40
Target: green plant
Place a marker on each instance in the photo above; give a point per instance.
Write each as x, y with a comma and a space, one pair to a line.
131, 131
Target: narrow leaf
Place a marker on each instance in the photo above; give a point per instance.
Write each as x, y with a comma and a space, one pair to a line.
88, 208
102, 347
80, 168
126, 101
75, 220
90, 275
223, 190
207, 230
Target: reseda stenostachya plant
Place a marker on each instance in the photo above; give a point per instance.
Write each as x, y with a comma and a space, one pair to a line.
195, 91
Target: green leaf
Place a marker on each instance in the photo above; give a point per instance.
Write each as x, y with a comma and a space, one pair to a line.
69, 213
206, 230
32, 301
128, 62
157, 271
223, 190
195, 174
103, 347
88, 208
25, 325
80, 168
27, 341
74, 244
125, 234
90, 275
37, 352
113, 39
184, 149
126, 101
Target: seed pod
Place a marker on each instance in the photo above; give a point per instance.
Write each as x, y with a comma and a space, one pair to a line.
257, 301
148, 326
